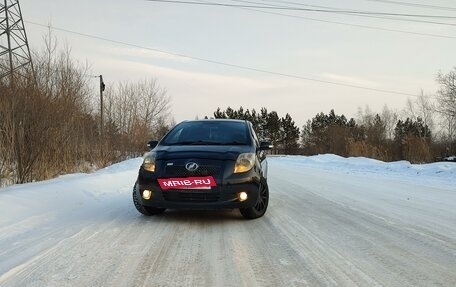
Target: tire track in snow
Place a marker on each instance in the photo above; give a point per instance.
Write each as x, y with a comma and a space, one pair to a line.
323, 230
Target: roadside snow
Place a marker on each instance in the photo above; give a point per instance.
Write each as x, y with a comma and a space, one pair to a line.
66, 193
435, 173
36, 216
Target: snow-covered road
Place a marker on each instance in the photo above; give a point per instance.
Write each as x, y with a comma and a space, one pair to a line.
331, 222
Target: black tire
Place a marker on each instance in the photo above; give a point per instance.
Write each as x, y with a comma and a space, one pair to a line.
259, 209
145, 210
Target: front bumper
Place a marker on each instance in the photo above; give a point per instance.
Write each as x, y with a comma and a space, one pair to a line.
223, 196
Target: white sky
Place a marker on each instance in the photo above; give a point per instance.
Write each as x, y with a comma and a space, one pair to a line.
295, 46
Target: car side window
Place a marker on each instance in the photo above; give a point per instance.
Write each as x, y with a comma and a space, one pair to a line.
255, 138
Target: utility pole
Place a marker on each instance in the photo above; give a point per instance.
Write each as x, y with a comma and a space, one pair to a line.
102, 88
15, 56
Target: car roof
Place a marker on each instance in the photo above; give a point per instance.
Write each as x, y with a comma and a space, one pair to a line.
218, 120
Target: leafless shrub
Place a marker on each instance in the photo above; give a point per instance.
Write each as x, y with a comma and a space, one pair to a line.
138, 112
48, 125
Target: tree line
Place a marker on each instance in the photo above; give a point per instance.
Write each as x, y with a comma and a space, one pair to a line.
425, 131
50, 119
331, 133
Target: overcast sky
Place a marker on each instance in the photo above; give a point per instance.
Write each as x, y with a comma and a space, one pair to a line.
302, 45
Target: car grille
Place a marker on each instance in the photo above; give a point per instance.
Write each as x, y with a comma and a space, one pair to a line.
191, 196
181, 171
195, 195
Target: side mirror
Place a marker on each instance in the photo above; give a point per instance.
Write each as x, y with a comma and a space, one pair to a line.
152, 144
266, 145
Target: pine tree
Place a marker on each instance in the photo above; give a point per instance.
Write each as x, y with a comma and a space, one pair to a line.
289, 135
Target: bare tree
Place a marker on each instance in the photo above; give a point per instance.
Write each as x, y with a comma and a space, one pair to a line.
422, 107
139, 111
390, 118
45, 126
446, 98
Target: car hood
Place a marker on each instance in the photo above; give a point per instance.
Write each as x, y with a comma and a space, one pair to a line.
221, 152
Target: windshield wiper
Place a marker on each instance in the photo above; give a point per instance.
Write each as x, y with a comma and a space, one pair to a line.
195, 143
234, 143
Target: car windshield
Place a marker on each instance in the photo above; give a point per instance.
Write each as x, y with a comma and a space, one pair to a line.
208, 133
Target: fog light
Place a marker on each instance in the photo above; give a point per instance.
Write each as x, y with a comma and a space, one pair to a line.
147, 194
242, 196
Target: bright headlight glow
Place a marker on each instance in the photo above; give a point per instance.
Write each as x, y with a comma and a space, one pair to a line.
244, 162
149, 162
147, 194
242, 196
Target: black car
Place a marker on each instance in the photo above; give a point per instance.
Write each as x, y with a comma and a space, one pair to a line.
205, 164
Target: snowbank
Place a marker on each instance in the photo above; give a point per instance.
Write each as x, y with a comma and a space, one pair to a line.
439, 171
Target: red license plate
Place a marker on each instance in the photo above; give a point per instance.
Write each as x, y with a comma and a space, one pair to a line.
204, 182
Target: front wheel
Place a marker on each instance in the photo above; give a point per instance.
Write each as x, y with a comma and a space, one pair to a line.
261, 205
145, 210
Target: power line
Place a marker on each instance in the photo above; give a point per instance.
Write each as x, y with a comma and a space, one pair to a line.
382, 1
356, 15
364, 16
415, 5
340, 23
307, 9
406, 20
349, 24
247, 68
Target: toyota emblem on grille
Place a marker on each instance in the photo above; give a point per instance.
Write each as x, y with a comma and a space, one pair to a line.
191, 166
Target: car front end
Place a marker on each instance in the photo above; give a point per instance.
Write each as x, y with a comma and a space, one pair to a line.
202, 177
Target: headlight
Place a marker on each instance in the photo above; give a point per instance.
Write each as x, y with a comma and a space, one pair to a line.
149, 162
244, 162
